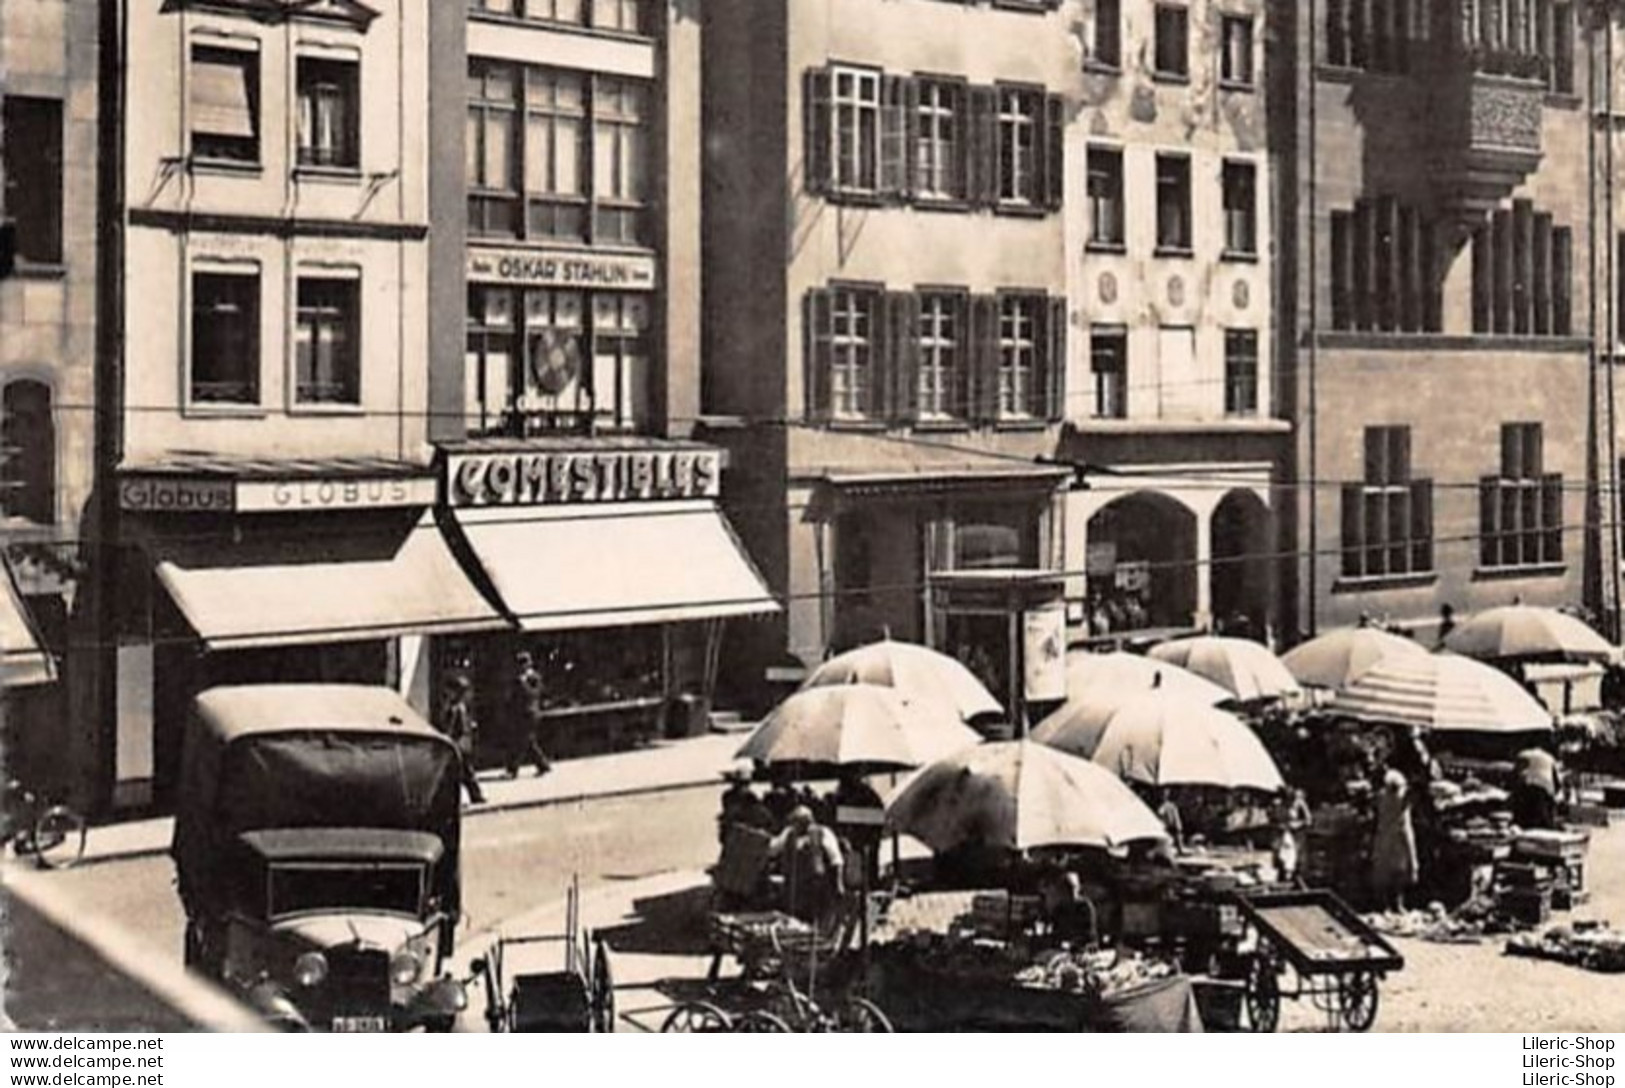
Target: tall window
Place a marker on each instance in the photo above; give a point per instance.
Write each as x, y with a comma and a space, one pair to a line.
31, 164
327, 342
620, 160
1523, 273
943, 340
1106, 218
939, 149
1384, 269
1236, 50
225, 338
620, 360
1108, 366
1020, 122
853, 328
1521, 510
555, 159
27, 453
1174, 203
1378, 35
1171, 49
1557, 44
225, 104
1020, 342
329, 112
1106, 47
1240, 372
1240, 184
1387, 517
856, 110
490, 142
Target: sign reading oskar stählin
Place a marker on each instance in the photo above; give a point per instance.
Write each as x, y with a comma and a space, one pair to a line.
537, 478
562, 268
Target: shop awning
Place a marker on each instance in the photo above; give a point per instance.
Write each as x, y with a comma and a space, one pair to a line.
352, 586
22, 660
614, 565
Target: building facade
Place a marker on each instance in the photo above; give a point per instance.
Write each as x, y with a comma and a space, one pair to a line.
48, 342
1438, 304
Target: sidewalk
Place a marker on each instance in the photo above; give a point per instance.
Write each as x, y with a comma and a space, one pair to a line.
665, 765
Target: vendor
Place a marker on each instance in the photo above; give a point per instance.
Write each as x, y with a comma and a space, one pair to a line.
1293, 821
1168, 813
740, 806
811, 860
1539, 786
1393, 845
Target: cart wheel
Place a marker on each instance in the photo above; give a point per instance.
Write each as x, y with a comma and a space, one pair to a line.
697, 1016
859, 1014
603, 989
798, 1010
1264, 997
1357, 996
58, 838
760, 1020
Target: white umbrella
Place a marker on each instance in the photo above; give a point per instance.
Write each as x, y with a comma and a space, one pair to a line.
1246, 669
1521, 630
860, 726
1161, 740
1020, 795
1442, 692
917, 672
1333, 659
1115, 676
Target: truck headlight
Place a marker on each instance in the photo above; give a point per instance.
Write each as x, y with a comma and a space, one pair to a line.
405, 968
310, 969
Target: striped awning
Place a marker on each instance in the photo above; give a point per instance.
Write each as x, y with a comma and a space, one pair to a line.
1442, 692
23, 660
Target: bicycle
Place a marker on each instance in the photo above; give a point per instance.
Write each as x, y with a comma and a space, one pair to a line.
52, 834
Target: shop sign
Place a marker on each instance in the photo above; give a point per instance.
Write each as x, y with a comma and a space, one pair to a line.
177, 495
1044, 653
527, 479
562, 268
341, 494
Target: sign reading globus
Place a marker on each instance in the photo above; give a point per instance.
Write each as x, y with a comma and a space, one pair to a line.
552, 477
202, 495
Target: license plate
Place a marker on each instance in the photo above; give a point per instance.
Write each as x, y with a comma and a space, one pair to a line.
348, 1024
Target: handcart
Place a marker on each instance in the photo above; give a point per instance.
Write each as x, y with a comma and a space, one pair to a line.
1312, 944
580, 998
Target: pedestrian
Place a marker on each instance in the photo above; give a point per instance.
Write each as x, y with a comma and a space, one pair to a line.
810, 858
1168, 812
458, 723
1447, 622
530, 706
1393, 844
1295, 819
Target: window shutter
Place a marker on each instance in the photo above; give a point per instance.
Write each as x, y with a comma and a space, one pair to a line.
893, 137
815, 104
982, 139
1551, 518
1489, 521
911, 135
222, 102
818, 320
964, 377
903, 316
984, 362
1054, 151
1421, 525
1054, 408
1353, 539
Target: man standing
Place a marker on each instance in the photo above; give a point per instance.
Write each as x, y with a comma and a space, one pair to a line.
1539, 787
530, 706
811, 859
458, 723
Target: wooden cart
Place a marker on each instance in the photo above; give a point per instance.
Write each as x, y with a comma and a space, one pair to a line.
1311, 944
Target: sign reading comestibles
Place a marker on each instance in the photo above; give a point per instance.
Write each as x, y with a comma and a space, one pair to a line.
562, 268
541, 478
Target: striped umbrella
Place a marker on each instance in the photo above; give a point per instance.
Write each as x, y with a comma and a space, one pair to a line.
1443, 692
1521, 630
1245, 668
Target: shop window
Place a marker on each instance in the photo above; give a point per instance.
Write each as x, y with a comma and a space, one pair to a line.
1108, 367
1385, 276
1236, 50
327, 341
939, 142
1171, 56
329, 113
1106, 208
1173, 204
1106, 39
1388, 516
225, 104
944, 320
27, 453
1240, 195
491, 364
1523, 271
995, 539
1240, 372
620, 361
31, 168
1521, 510
225, 363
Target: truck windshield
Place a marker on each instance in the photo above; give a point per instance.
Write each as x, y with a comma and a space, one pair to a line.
307, 888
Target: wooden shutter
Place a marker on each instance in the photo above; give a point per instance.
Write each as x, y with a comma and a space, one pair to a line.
982, 146
1054, 407
816, 108
1489, 521
893, 180
911, 136
1054, 145
1551, 518
1353, 538
984, 358
903, 339
1421, 525
818, 321
963, 401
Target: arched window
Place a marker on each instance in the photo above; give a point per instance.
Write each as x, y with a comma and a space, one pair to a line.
27, 452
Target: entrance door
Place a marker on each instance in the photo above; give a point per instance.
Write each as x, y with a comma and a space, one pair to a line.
1152, 582
1241, 569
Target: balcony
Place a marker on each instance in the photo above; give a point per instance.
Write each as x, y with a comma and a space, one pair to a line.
1486, 118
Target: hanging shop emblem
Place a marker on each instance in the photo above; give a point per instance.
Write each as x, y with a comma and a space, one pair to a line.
535, 479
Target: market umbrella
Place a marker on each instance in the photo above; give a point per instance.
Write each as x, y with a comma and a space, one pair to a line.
1163, 740
917, 672
1019, 795
855, 726
1115, 676
1521, 630
1442, 692
1333, 659
1242, 667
